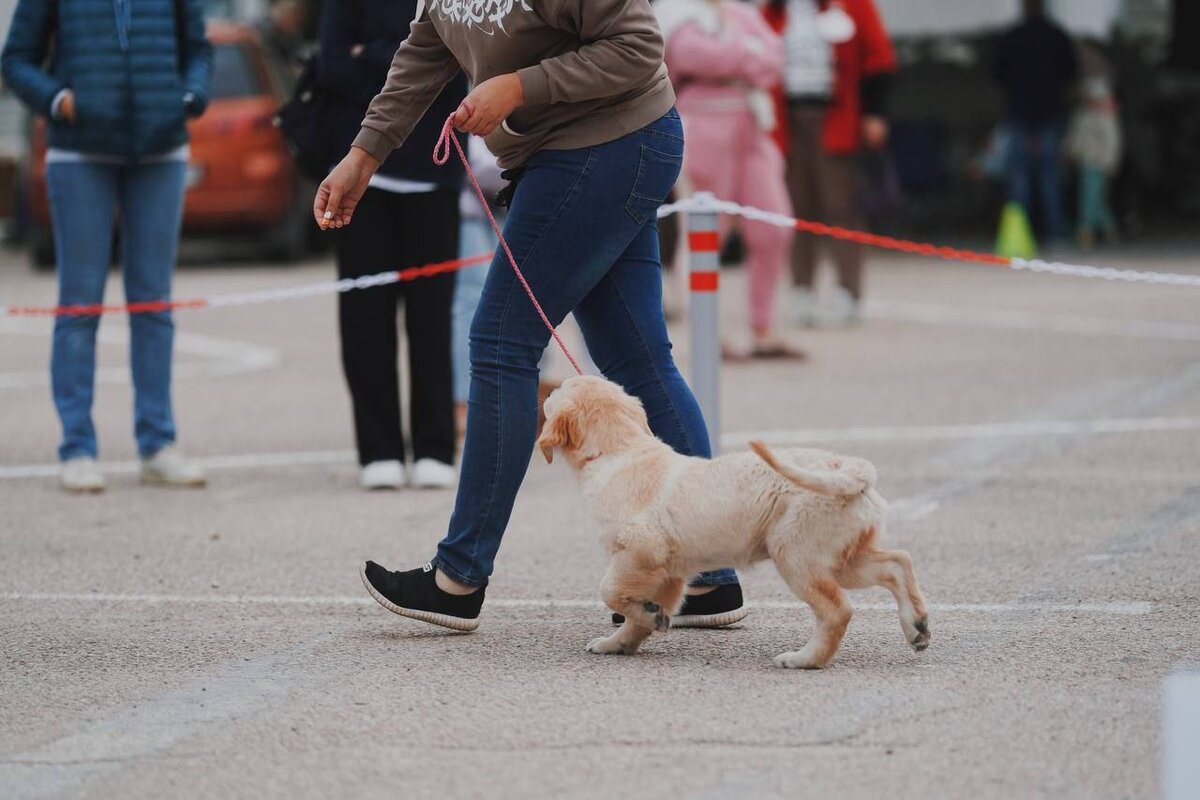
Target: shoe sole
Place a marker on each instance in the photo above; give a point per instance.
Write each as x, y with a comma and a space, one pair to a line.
82, 489
710, 620
444, 620
150, 480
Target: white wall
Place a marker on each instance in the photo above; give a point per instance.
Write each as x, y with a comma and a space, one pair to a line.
1087, 17
12, 114
6, 11
918, 17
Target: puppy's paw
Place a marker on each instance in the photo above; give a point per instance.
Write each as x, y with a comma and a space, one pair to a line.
609, 646
920, 640
649, 615
797, 659
662, 620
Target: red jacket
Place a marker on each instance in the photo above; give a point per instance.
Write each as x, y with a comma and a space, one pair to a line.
869, 54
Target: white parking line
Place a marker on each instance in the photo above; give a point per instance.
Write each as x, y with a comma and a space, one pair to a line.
1181, 736
730, 441
1127, 608
219, 357
311, 458
987, 430
1002, 319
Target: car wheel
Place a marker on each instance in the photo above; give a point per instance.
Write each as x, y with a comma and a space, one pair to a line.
41, 248
289, 241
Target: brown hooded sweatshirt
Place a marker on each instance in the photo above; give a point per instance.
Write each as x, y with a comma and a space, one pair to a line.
592, 71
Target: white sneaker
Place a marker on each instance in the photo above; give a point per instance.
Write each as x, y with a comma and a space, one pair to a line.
429, 473
844, 309
804, 307
382, 475
168, 467
81, 474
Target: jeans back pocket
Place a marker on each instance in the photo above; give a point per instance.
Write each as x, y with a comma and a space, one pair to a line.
656, 175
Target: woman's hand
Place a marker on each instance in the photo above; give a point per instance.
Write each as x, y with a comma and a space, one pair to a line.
66, 107
489, 104
875, 132
340, 192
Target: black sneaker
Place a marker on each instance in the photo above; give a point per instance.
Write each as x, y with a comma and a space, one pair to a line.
414, 594
722, 606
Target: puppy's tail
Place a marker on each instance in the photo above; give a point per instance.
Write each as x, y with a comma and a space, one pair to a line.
853, 477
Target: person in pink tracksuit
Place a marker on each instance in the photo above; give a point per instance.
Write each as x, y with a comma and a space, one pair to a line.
724, 59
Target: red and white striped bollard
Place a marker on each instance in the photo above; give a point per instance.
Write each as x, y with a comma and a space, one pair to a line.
704, 261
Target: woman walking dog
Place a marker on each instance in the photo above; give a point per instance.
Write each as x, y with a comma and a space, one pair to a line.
576, 97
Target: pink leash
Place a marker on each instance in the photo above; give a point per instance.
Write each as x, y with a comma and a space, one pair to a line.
441, 154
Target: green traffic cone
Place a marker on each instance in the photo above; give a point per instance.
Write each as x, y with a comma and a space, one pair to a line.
1015, 239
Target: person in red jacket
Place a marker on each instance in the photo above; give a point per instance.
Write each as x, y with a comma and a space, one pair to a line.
838, 63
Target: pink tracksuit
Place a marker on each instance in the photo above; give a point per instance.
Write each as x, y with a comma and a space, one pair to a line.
722, 74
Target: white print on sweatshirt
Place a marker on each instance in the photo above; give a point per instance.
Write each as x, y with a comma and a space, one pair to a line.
487, 15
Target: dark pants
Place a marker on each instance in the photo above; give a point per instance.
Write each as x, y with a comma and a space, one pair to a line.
1033, 166
1095, 214
823, 189
390, 232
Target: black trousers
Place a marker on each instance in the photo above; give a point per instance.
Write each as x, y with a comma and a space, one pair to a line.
392, 231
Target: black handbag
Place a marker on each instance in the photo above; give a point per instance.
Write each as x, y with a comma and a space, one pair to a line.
304, 123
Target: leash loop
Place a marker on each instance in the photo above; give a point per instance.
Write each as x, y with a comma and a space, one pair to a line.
441, 150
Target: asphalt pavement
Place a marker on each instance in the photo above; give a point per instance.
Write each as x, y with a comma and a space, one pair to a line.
1038, 438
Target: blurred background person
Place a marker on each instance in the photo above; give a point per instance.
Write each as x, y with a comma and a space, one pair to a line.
1036, 68
283, 32
123, 79
724, 60
408, 217
837, 71
475, 237
1094, 143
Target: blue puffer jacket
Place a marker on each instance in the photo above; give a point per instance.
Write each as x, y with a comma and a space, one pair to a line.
120, 59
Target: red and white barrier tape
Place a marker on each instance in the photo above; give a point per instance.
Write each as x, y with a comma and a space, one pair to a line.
698, 203
255, 297
706, 202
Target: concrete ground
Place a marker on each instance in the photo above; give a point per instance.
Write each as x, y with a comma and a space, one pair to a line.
1039, 439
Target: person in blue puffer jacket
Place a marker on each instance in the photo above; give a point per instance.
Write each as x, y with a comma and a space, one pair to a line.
117, 80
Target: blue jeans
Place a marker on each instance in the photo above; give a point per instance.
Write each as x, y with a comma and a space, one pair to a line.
1095, 214
475, 237
84, 199
1033, 162
582, 227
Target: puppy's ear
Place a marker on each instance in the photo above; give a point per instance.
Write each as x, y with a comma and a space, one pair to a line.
559, 431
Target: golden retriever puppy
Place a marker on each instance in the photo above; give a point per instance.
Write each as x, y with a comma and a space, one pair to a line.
665, 517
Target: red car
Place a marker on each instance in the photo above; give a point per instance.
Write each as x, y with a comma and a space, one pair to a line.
241, 180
